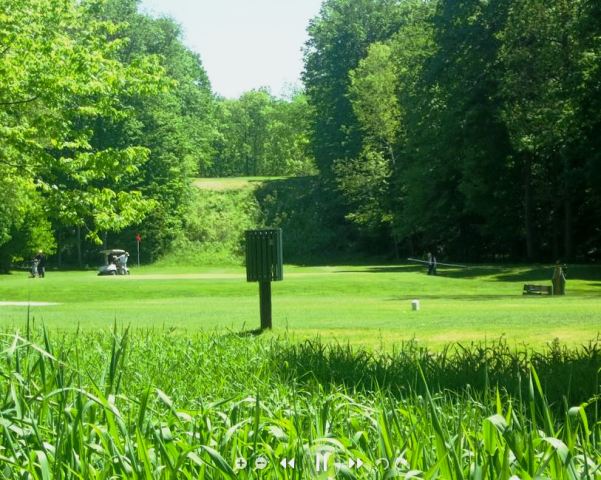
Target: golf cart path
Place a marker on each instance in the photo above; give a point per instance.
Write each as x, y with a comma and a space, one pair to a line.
27, 304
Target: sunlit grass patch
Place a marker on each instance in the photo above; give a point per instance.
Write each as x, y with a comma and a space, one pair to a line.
368, 306
231, 183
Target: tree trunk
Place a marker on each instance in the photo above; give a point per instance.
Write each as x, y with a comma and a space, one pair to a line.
556, 230
395, 245
568, 250
528, 207
567, 208
79, 258
59, 247
411, 245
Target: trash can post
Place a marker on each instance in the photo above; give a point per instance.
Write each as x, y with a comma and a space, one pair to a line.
264, 264
265, 304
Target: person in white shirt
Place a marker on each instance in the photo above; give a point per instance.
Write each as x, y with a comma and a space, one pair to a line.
121, 263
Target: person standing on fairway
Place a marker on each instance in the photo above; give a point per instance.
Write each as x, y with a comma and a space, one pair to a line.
431, 264
34, 267
559, 279
41, 259
121, 263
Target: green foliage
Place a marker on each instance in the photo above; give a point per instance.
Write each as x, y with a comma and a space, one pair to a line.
28, 229
461, 126
364, 183
175, 124
480, 114
544, 67
338, 39
372, 90
288, 149
60, 78
460, 185
213, 228
310, 233
260, 135
106, 115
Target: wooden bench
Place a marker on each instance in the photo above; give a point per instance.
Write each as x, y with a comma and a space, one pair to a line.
537, 290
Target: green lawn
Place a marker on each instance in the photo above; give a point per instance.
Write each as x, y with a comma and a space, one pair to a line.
364, 305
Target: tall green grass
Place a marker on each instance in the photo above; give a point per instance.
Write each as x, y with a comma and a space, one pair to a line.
150, 404
569, 375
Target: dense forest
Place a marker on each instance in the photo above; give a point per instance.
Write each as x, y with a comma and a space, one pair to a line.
468, 127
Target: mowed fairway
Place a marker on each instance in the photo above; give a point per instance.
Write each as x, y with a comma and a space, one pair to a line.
363, 305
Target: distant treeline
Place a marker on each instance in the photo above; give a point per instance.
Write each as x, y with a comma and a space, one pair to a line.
258, 134
467, 127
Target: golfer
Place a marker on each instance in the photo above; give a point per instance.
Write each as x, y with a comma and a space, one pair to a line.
431, 264
41, 259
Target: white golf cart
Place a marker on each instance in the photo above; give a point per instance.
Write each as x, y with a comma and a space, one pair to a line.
115, 262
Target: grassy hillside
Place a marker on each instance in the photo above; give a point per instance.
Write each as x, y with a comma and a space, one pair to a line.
231, 183
223, 208
220, 211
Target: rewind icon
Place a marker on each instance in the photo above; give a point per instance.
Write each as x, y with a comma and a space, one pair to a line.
285, 463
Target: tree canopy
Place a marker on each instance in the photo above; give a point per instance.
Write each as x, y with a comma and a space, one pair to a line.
104, 117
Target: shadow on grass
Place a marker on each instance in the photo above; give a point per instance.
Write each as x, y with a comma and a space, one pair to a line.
388, 269
501, 273
256, 332
471, 272
252, 333
474, 297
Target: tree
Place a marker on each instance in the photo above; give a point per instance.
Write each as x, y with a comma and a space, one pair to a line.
287, 149
262, 135
541, 78
175, 124
458, 180
364, 181
58, 72
589, 118
373, 93
338, 39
